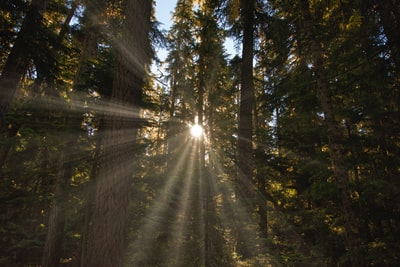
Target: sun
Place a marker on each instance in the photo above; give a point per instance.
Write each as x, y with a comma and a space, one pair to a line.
196, 131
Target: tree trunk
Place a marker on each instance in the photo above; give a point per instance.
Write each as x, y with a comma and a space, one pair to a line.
106, 236
55, 229
335, 139
340, 173
7, 145
262, 207
201, 154
245, 146
89, 202
18, 60
245, 141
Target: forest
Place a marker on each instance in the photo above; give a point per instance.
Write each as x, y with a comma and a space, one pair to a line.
284, 151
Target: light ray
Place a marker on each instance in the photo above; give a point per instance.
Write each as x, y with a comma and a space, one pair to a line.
154, 222
81, 102
181, 226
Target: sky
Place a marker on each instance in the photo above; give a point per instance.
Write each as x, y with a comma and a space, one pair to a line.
164, 9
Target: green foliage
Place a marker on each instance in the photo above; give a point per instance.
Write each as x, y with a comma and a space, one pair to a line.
292, 162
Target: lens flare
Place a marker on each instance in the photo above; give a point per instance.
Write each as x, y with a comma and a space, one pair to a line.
196, 131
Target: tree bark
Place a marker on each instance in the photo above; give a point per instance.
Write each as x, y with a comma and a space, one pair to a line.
245, 145
52, 251
106, 236
245, 140
8, 144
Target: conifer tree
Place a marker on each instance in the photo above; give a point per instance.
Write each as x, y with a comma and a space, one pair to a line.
107, 229
17, 62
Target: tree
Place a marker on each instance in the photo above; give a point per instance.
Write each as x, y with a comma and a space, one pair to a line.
17, 62
247, 101
106, 237
81, 168
245, 145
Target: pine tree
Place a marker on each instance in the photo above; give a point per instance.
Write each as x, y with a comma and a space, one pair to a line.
17, 62
108, 226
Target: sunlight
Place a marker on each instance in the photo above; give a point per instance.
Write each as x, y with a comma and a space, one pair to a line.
196, 131
169, 219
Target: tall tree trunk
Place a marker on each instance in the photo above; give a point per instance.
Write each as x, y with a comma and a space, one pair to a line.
335, 139
89, 202
55, 228
245, 145
17, 62
340, 172
245, 141
170, 140
201, 154
91, 36
106, 236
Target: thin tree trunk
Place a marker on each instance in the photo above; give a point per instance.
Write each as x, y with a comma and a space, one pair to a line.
170, 141
65, 27
262, 207
8, 144
201, 154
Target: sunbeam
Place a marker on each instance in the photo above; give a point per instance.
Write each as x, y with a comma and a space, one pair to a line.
83, 102
163, 221
182, 219
199, 133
